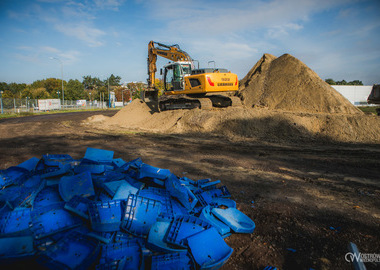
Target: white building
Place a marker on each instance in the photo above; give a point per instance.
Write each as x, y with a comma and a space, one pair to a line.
356, 94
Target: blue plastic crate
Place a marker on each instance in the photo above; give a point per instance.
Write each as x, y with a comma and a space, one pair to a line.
52, 219
118, 162
156, 238
74, 251
174, 261
235, 219
99, 155
16, 222
85, 166
30, 164
209, 249
126, 254
13, 175
18, 196
209, 185
78, 205
121, 236
105, 237
161, 195
16, 246
202, 182
56, 160
140, 214
153, 172
57, 171
47, 196
80, 184
105, 216
219, 192
182, 193
207, 216
220, 201
203, 197
124, 190
112, 186
184, 226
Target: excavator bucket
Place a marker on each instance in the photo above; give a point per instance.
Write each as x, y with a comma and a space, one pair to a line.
150, 97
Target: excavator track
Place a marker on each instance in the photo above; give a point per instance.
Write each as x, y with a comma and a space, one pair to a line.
204, 103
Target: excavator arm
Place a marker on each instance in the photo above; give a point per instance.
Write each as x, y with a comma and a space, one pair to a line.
173, 53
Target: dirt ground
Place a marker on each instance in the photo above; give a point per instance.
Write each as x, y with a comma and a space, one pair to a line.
308, 199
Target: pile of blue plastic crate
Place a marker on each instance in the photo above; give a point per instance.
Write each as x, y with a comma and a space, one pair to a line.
105, 213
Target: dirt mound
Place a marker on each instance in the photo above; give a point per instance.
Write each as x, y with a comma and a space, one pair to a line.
98, 118
250, 123
138, 115
287, 84
132, 115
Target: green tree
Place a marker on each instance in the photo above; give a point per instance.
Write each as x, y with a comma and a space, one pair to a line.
3, 86
343, 82
113, 80
356, 82
38, 84
7, 94
53, 85
91, 83
16, 88
35, 93
74, 90
330, 81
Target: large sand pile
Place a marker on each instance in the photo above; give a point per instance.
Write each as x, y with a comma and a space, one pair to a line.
284, 101
288, 84
248, 123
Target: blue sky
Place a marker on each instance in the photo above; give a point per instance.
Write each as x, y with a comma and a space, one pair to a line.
338, 39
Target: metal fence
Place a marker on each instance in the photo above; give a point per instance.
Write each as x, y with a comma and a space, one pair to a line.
18, 105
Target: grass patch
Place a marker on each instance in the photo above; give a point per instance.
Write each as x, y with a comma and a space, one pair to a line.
369, 109
22, 114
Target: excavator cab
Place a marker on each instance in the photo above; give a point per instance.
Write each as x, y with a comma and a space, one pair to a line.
174, 74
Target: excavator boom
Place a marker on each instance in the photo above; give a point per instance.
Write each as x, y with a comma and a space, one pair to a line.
173, 53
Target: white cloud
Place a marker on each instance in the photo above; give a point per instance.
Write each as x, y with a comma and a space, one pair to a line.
69, 57
50, 49
90, 35
25, 48
109, 4
42, 54
221, 17
212, 48
283, 30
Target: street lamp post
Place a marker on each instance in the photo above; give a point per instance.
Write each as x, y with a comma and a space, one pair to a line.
1, 99
63, 93
109, 97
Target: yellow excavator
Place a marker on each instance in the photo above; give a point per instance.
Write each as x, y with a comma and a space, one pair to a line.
187, 87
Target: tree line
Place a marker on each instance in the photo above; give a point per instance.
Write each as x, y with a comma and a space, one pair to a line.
90, 88
343, 82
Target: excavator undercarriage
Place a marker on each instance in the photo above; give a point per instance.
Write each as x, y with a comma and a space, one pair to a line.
191, 102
